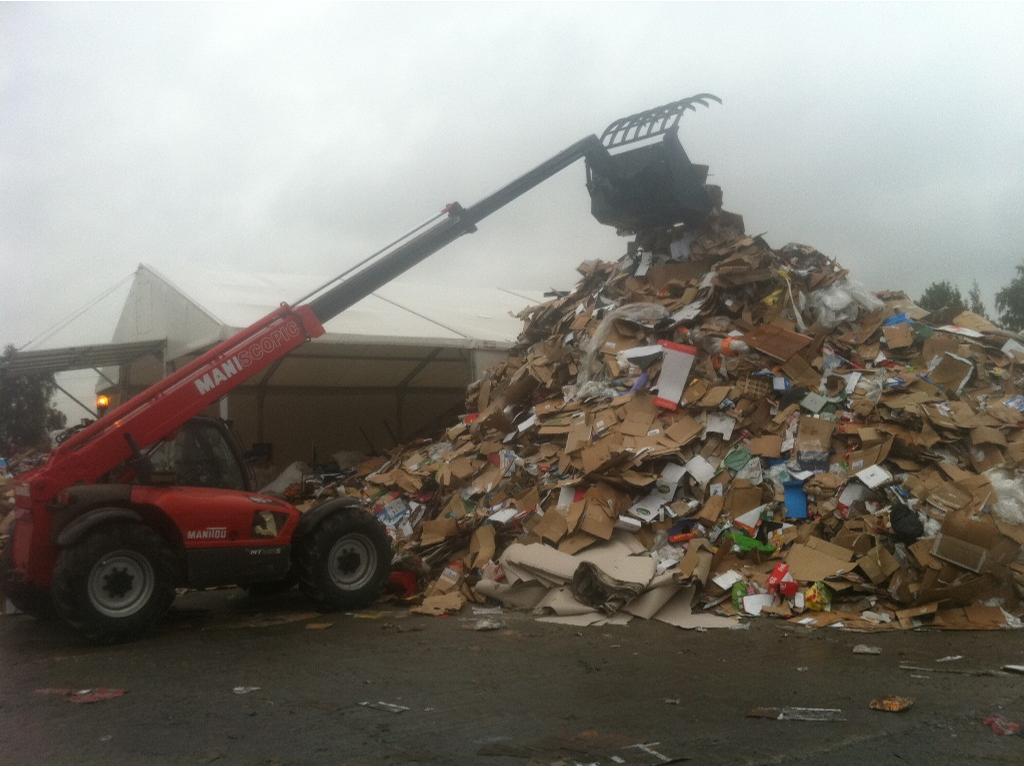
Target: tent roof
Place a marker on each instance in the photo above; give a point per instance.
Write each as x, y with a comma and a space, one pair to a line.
401, 312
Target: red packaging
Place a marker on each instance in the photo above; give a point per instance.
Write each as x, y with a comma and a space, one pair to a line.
777, 575
788, 587
403, 583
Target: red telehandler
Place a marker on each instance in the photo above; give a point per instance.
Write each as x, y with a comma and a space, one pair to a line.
151, 496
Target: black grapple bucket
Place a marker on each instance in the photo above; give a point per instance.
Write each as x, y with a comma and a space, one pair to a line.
651, 184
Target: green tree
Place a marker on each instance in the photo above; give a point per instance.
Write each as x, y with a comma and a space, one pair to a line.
1010, 302
25, 411
977, 306
942, 295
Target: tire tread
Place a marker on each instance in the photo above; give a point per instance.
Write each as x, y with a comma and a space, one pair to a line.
72, 572
311, 554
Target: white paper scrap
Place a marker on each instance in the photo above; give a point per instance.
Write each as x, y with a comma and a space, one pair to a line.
690, 312
565, 497
727, 579
527, 423
721, 424
959, 330
700, 469
1013, 349
874, 476
675, 371
754, 604
649, 508
639, 353
503, 516
627, 523
670, 476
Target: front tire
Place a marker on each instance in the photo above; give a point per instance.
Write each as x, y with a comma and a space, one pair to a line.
115, 582
344, 562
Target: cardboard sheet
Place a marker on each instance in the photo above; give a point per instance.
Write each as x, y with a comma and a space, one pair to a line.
541, 560
524, 595
481, 546
700, 469
678, 612
898, 336
777, 342
560, 601
769, 446
436, 531
807, 564
684, 430
878, 564
653, 600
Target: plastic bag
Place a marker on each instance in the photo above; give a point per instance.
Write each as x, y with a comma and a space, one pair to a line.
841, 302
818, 597
293, 473
589, 390
1009, 504
870, 389
646, 313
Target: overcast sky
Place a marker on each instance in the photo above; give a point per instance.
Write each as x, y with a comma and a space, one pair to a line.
300, 137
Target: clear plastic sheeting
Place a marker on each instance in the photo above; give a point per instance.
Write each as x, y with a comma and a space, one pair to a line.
293, 473
841, 302
1009, 490
643, 313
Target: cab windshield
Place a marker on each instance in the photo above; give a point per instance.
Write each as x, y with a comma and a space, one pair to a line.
197, 455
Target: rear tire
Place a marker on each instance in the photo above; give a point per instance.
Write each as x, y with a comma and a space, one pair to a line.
115, 582
344, 562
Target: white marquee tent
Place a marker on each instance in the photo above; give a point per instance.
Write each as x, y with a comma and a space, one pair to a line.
393, 365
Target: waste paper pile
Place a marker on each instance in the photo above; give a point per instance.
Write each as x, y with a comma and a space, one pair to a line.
6, 510
21, 461
709, 429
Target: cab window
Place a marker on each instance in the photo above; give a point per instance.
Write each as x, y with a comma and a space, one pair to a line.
198, 455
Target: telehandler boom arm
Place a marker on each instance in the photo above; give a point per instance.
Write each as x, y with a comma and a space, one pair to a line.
165, 406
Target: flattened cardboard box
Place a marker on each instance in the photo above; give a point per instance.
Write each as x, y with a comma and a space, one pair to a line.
960, 553
807, 564
777, 342
898, 336
878, 564
436, 531
768, 446
828, 548
481, 546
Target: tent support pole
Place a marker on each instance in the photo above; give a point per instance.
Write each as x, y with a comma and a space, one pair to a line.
403, 386
72, 397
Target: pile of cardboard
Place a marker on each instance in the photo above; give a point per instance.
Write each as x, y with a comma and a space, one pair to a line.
6, 515
10, 467
711, 428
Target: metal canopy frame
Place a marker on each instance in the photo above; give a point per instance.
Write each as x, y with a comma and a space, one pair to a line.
95, 356
47, 362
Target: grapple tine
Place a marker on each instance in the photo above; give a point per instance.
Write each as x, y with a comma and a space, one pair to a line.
652, 122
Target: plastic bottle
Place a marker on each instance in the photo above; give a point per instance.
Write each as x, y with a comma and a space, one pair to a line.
749, 544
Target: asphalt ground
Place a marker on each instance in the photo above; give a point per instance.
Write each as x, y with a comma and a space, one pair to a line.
528, 693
